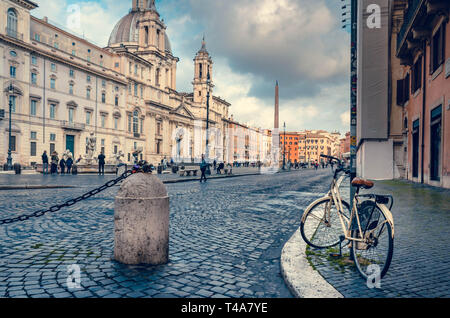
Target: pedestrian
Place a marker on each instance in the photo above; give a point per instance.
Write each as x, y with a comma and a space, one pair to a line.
101, 164
54, 164
215, 164
45, 163
203, 166
69, 164
62, 165
165, 163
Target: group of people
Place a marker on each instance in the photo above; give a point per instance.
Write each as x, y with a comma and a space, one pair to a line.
62, 166
67, 165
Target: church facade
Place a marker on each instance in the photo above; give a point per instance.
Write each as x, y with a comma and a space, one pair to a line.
63, 89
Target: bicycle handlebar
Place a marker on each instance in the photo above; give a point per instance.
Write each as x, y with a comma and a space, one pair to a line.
331, 158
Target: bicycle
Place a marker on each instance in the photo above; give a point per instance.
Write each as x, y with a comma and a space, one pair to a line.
368, 227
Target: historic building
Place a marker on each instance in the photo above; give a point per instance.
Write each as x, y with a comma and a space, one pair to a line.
64, 89
421, 86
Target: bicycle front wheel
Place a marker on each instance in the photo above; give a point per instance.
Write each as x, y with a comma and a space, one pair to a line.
373, 256
321, 226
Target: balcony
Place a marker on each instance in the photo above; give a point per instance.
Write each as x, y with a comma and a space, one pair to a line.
72, 126
14, 34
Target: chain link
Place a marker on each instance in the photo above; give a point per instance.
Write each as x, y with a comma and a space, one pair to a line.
70, 202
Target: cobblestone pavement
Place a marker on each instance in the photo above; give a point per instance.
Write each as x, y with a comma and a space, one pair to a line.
421, 262
226, 238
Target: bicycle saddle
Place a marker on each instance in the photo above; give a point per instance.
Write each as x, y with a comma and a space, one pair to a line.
362, 183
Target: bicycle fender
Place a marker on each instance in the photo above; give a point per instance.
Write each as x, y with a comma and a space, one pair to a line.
313, 204
388, 215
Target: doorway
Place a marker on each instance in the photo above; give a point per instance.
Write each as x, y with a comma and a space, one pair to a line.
415, 149
70, 144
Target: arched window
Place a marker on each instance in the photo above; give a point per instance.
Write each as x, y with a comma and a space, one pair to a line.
12, 22
135, 122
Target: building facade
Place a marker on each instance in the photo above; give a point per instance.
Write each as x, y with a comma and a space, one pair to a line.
423, 90
63, 90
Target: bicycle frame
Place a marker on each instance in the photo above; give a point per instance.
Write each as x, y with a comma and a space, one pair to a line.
347, 224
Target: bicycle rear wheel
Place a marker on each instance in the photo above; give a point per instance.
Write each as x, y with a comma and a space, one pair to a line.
374, 256
321, 226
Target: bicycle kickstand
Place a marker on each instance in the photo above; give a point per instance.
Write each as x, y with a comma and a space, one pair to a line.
341, 239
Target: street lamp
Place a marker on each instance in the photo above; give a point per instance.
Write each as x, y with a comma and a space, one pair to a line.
208, 83
9, 159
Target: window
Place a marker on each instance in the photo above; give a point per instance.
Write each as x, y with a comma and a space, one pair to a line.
88, 118
116, 123
135, 89
116, 101
157, 76
135, 69
71, 73
88, 78
71, 88
200, 70
33, 107
403, 90
146, 34
56, 45
88, 93
135, 122
53, 67
52, 147
52, 111
129, 88
142, 91
12, 23
33, 60
103, 121
103, 83
158, 32
33, 78
129, 123
437, 49
33, 135
37, 37
33, 149
74, 53
12, 101
52, 137
116, 65
52, 83
12, 71
70, 115
416, 75
115, 149
13, 143
103, 98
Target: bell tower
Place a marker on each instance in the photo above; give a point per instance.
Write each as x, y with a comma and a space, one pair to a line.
203, 67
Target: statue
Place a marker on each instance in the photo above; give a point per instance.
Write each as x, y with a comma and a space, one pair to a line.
91, 143
118, 157
67, 154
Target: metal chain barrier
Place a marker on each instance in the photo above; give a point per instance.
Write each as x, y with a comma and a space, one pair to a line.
71, 202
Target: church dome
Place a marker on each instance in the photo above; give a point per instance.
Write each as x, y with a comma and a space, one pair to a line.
127, 31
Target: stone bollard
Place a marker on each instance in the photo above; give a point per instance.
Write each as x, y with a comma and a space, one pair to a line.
141, 221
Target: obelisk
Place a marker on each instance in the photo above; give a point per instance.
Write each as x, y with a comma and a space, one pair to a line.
277, 108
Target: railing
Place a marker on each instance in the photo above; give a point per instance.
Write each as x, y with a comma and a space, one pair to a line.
408, 20
73, 126
14, 34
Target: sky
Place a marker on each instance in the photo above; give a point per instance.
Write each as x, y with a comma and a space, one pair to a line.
253, 43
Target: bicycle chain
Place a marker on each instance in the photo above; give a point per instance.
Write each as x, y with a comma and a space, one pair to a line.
70, 202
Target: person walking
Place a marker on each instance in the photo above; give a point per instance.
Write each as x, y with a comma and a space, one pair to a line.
101, 164
215, 164
45, 163
203, 166
62, 165
55, 161
69, 164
